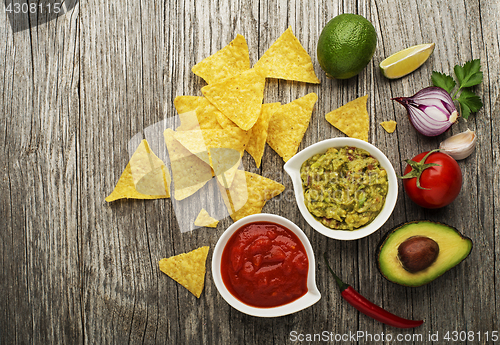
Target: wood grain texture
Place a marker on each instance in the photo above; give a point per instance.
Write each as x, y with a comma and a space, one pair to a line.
40, 252
77, 89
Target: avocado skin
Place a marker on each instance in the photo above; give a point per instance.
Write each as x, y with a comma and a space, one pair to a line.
384, 239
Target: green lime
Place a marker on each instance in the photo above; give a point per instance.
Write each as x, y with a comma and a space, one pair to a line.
346, 45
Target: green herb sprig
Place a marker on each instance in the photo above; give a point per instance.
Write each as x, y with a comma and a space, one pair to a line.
467, 76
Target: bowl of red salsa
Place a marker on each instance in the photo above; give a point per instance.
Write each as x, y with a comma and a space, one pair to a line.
263, 265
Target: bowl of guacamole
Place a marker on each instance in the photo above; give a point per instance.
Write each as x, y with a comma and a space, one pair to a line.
345, 188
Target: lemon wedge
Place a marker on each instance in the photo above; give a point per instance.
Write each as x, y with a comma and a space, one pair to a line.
406, 61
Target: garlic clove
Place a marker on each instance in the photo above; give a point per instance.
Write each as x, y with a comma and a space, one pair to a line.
459, 146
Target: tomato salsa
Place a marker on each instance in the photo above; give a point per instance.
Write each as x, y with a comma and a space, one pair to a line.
265, 265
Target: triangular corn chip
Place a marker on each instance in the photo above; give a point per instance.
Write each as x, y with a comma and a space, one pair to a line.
199, 141
289, 124
145, 177
189, 172
389, 126
221, 148
248, 194
187, 269
258, 133
189, 121
204, 219
287, 59
238, 97
205, 113
352, 118
224, 121
229, 61
225, 162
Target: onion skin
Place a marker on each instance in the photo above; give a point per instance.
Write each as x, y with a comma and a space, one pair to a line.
431, 110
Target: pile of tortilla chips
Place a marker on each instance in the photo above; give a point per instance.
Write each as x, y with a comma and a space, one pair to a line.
234, 94
231, 118
217, 128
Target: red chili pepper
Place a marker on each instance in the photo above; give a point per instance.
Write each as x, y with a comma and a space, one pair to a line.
368, 308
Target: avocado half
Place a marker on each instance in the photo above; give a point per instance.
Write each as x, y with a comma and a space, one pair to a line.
453, 248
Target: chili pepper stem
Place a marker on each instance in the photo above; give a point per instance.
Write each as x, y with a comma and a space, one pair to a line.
342, 286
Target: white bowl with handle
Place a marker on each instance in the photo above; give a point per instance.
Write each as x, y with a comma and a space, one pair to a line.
292, 167
311, 296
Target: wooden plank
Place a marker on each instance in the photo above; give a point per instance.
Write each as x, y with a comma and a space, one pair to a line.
40, 278
474, 220
16, 93
484, 40
122, 79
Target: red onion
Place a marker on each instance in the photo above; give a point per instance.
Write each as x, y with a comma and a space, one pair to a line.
431, 110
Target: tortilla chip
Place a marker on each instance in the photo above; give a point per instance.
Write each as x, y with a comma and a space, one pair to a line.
199, 142
187, 269
205, 112
145, 177
249, 193
289, 124
225, 162
229, 61
236, 196
258, 133
189, 121
189, 172
224, 121
389, 126
193, 141
238, 97
204, 219
287, 59
352, 118
221, 148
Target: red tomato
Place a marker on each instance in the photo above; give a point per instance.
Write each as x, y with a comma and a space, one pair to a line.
442, 183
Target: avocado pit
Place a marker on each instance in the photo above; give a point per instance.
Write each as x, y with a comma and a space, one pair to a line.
417, 253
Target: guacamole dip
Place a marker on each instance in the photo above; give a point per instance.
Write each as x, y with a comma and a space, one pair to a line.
344, 188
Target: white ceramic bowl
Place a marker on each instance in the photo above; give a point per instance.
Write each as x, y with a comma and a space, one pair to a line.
311, 296
292, 167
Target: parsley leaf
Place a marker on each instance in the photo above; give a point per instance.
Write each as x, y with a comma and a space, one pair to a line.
443, 80
469, 103
469, 75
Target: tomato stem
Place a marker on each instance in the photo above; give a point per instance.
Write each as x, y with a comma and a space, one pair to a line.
419, 167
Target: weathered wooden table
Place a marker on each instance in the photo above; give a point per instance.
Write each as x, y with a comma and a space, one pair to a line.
76, 89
